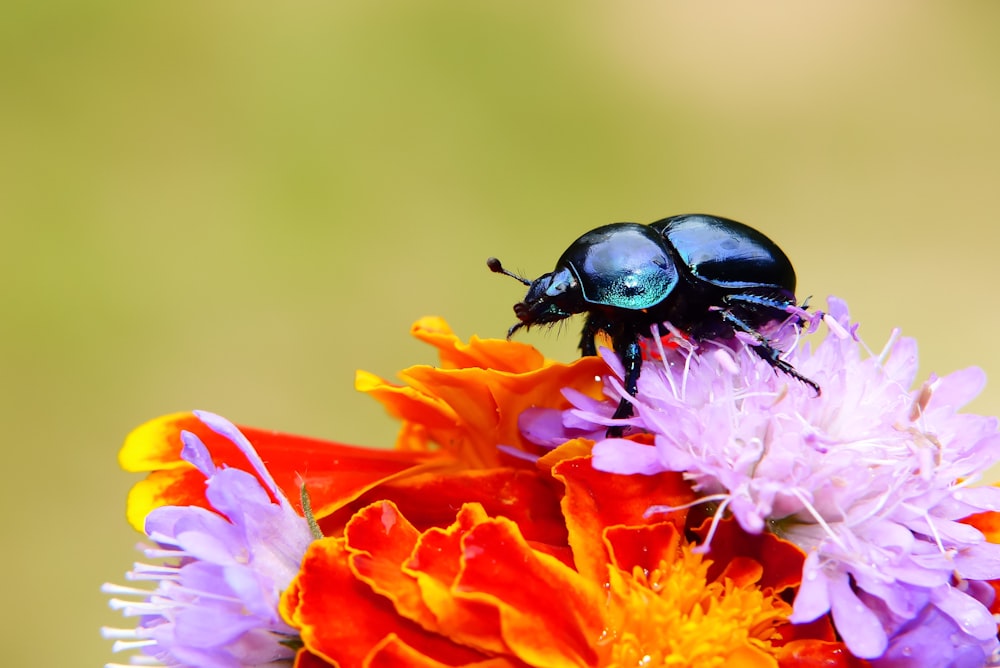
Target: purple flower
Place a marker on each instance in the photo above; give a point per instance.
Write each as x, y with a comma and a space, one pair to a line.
869, 478
216, 600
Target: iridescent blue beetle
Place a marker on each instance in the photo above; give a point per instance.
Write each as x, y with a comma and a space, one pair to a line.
709, 277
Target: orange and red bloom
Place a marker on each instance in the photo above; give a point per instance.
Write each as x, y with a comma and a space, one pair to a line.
470, 544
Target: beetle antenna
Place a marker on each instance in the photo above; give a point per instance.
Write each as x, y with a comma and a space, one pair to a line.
497, 268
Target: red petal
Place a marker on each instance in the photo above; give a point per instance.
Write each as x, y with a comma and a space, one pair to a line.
306, 659
988, 523
817, 654
819, 630
781, 560
644, 547
393, 653
332, 472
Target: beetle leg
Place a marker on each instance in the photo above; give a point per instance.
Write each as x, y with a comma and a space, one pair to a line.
588, 338
768, 352
631, 356
630, 353
776, 303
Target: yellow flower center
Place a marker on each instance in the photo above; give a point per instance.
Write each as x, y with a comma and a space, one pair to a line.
673, 616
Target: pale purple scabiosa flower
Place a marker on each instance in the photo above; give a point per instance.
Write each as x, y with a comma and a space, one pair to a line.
869, 479
216, 600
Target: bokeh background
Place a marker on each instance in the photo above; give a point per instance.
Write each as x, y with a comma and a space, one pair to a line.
234, 205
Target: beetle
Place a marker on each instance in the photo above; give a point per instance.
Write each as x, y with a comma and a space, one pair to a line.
709, 277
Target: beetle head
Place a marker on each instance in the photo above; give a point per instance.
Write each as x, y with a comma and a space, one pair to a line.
551, 297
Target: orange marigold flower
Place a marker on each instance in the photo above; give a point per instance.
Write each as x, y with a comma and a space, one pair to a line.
629, 590
478, 585
470, 403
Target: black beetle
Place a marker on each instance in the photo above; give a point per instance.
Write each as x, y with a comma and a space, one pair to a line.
707, 276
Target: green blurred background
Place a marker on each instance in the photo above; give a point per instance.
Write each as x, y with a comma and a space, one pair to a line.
234, 205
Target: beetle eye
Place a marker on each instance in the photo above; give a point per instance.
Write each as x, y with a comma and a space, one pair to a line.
556, 289
562, 281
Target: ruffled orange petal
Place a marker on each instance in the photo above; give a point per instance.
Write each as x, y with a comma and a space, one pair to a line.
380, 540
549, 614
333, 473
342, 621
595, 500
497, 354
394, 653
472, 402
430, 572
577, 447
481, 584
526, 497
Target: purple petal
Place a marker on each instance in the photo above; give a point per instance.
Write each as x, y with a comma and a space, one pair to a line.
224, 427
618, 455
195, 452
957, 388
971, 616
860, 628
979, 562
812, 600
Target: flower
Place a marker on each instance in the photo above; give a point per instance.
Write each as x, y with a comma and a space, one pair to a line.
430, 476
743, 520
472, 401
334, 473
626, 590
216, 601
870, 479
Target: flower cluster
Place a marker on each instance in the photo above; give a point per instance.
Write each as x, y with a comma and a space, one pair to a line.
742, 519
216, 603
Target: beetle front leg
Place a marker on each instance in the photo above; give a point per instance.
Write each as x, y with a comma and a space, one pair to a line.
630, 354
588, 337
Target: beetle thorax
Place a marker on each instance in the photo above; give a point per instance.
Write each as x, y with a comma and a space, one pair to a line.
624, 266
